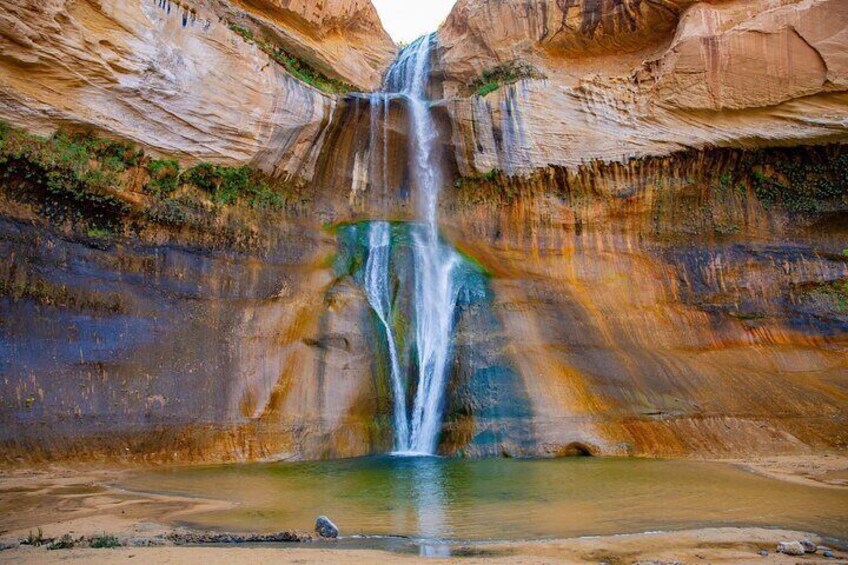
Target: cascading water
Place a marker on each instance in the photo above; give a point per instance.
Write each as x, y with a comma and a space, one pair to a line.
434, 263
379, 296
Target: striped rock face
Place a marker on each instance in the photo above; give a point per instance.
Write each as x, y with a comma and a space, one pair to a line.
641, 213
188, 79
613, 80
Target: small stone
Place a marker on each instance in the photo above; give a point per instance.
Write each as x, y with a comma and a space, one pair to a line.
325, 528
763, 553
809, 546
829, 554
791, 548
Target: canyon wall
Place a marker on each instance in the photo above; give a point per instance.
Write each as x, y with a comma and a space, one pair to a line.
643, 277
670, 306
659, 207
176, 78
631, 79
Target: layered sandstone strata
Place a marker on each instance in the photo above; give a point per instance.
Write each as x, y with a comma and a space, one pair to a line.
343, 38
174, 77
692, 305
643, 78
644, 297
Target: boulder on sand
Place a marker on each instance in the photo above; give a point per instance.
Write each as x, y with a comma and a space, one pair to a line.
325, 528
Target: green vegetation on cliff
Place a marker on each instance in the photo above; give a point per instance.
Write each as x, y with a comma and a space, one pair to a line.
800, 183
832, 296
509, 73
99, 186
70, 175
164, 177
227, 185
296, 67
721, 191
104, 541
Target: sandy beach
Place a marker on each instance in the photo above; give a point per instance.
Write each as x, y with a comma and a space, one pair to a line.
726, 545
85, 503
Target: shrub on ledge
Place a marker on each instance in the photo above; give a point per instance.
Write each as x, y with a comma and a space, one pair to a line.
295, 66
508, 73
93, 185
226, 185
104, 542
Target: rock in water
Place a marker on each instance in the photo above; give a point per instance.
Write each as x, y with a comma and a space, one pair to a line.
809, 546
326, 529
791, 548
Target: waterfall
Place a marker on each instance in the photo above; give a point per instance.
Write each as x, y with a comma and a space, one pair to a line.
380, 103
435, 303
434, 263
379, 296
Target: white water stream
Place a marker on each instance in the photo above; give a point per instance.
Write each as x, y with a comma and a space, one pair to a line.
416, 430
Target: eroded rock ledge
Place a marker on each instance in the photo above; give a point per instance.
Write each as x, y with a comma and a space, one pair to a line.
649, 308
630, 79
176, 78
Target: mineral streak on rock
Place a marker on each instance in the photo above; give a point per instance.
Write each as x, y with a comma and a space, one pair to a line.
631, 78
662, 221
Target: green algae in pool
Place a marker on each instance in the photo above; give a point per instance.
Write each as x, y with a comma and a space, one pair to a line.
499, 499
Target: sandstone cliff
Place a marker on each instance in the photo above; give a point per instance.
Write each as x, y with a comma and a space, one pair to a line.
574, 124
643, 78
662, 221
176, 78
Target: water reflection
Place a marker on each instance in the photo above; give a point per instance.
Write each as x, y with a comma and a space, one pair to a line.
428, 480
436, 502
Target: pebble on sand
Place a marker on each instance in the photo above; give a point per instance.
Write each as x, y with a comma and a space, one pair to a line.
809, 546
791, 548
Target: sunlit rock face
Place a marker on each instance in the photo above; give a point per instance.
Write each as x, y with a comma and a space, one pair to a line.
342, 37
648, 278
175, 78
651, 313
480, 34
736, 57
642, 78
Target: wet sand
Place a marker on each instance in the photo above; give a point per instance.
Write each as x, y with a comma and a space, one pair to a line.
725, 545
811, 470
81, 503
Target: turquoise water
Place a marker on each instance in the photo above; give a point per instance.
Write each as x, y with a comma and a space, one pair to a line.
499, 499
